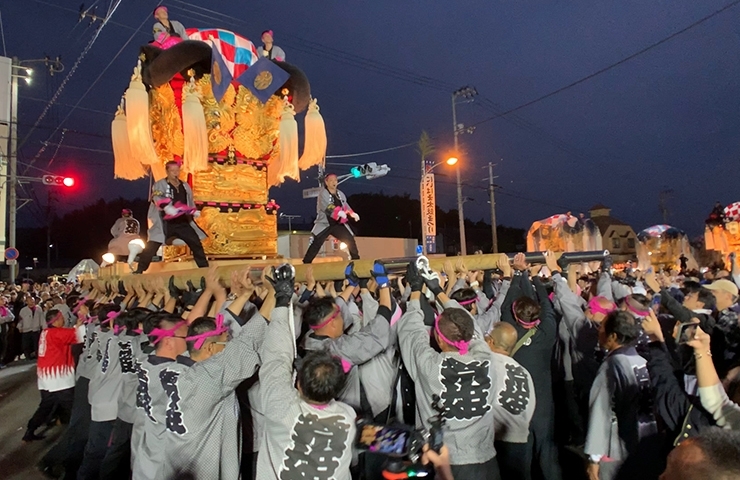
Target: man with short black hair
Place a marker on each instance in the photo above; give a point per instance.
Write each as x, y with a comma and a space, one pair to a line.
621, 391
715, 454
55, 369
332, 214
152, 401
172, 215
269, 49
30, 323
460, 375
308, 434
204, 438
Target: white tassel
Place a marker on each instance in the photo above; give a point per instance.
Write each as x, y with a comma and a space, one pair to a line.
195, 157
137, 120
125, 165
314, 148
287, 161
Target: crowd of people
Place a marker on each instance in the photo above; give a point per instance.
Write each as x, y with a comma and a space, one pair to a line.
510, 373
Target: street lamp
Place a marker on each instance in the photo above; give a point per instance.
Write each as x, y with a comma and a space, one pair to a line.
424, 172
466, 93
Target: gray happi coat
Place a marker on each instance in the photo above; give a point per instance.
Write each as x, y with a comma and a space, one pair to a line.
160, 190
323, 204
614, 406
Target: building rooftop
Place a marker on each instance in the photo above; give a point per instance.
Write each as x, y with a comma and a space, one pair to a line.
603, 222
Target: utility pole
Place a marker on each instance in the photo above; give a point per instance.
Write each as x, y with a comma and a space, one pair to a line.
460, 214
491, 188
12, 182
467, 92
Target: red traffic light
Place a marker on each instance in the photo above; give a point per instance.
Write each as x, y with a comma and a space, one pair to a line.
68, 181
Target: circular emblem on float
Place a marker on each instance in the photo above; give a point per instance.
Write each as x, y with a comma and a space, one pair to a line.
263, 80
216, 71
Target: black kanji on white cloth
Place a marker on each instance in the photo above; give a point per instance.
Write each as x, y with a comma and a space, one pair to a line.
93, 339
465, 388
143, 398
126, 357
105, 362
318, 446
174, 421
515, 395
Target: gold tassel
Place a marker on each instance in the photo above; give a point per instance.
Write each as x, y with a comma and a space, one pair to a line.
137, 120
314, 148
125, 165
195, 157
287, 161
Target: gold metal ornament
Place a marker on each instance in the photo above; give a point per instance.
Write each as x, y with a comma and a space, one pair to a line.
263, 80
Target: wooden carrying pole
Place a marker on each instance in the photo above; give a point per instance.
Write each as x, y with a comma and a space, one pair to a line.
329, 271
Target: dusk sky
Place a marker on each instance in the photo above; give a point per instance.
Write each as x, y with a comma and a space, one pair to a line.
383, 71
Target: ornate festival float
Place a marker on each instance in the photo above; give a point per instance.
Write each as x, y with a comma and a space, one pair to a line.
660, 246
722, 231
564, 233
228, 117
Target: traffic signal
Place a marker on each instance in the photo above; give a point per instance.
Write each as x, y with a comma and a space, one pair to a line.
370, 170
58, 181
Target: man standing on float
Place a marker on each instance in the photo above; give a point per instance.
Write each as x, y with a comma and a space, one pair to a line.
171, 215
332, 214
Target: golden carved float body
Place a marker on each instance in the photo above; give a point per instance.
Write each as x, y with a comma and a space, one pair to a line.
232, 193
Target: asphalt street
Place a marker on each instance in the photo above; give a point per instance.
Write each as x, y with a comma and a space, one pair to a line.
19, 398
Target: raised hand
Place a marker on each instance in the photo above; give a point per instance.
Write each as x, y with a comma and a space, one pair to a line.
520, 262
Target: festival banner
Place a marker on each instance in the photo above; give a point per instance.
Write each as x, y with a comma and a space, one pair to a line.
429, 211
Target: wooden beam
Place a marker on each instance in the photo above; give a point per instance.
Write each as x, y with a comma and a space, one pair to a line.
328, 271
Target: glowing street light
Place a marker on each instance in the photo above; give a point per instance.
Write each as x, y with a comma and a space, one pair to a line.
451, 161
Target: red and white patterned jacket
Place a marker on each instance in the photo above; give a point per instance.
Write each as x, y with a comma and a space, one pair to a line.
56, 365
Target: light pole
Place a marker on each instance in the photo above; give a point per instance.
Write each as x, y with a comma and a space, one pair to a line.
18, 70
424, 172
467, 93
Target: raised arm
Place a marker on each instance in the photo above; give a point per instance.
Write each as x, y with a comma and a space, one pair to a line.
276, 373
419, 358
372, 339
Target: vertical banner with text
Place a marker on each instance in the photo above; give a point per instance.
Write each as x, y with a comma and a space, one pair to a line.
429, 212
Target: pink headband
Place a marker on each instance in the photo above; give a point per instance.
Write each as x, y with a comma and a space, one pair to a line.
524, 324
468, 302
117, 329
80, 302
202, 337
158, 9
595, 306
109, 317
160, 333
56, 317
326, 322
269, 32
639, 313
461, 345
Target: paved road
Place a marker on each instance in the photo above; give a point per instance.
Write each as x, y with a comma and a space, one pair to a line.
19, 398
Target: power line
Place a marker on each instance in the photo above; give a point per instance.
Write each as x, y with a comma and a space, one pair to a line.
69, 75
341, 56
362, 154
612, 66
59, 104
